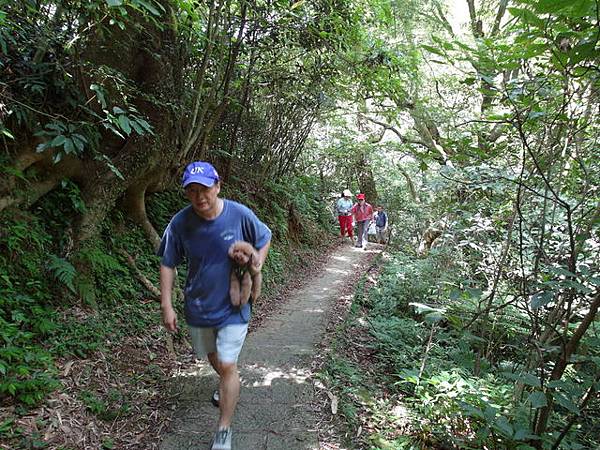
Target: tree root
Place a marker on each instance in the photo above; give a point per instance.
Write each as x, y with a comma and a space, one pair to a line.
135, 204
139, 275
153, 290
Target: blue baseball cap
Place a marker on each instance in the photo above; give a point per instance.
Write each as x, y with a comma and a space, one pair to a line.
200, 172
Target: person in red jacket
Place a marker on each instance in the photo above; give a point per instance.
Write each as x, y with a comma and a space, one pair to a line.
363, 214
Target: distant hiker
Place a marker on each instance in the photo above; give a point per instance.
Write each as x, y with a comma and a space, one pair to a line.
381, 222
343, 207
363, 214
201, 234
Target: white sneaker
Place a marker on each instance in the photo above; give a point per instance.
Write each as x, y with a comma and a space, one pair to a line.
222, 439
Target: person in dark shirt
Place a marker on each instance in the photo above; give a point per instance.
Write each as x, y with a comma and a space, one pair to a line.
381, 222
201, 235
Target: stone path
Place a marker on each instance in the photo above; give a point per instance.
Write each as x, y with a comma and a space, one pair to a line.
274, 411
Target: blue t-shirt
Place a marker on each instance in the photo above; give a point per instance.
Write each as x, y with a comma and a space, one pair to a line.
204, 245
343, 206
381, 219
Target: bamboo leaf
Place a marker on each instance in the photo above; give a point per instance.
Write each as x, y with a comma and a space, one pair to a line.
431, 49
149, 7
68, 146
124, 123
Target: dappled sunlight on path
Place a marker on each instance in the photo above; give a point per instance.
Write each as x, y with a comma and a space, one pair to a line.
275, 411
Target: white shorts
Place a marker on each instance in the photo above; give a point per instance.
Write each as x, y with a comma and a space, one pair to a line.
227, 341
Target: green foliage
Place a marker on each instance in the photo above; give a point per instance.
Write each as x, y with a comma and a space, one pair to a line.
161, 207
108, 407
451, 395
26, 368
296, 197
503, 173
275, 268
62, 137
48, 99
491, 139
63, 271
36, 326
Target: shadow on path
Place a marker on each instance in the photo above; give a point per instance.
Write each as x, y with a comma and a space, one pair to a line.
275, 408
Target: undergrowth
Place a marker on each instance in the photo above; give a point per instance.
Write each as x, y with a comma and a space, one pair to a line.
410, 376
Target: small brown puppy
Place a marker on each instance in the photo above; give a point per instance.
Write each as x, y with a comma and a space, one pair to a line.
245, 279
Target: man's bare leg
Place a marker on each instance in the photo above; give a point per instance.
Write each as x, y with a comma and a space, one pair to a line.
214, 362
229, 390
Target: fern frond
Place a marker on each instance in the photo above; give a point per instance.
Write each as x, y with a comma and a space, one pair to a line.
86, 289
63, 271
101, 260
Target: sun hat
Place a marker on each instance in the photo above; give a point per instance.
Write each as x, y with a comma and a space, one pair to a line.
347, 193
360, 196
200, 172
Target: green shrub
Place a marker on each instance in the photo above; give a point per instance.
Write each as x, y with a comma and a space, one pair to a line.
454, 394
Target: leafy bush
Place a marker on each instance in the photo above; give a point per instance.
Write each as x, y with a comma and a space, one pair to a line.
462, 390
25, 313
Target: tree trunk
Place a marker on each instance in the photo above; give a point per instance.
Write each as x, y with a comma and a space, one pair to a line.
135, 205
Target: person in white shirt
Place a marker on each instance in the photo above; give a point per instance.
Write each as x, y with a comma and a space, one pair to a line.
344, 210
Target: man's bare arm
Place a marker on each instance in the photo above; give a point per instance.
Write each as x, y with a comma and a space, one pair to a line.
167, 276
262, 256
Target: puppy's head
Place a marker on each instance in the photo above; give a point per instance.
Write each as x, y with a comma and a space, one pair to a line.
241, 252
240, 257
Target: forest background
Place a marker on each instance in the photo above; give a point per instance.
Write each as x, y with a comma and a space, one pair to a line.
479, 134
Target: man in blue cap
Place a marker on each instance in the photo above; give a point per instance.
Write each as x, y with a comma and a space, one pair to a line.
202, 234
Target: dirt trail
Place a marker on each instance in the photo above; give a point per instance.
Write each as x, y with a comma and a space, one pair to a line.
275, 408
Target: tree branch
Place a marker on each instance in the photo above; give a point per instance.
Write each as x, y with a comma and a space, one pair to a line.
476, 24
564, 358
499, 15
403, 139
139, 275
